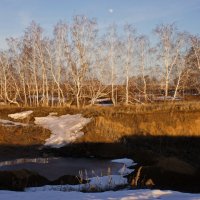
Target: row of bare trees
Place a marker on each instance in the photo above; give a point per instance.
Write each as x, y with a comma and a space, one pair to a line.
80, 64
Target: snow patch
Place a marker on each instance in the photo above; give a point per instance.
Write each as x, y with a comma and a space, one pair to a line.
21, 115
125, 171
97, 183
65, 129
114, 195
8, 123
127, 163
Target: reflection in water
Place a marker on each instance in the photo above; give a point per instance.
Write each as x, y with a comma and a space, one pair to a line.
54, 167
24, 160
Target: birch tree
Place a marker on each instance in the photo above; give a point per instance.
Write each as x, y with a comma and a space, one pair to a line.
143, 51
60, 45
10, 86
181, 71
83, 34
128, 51
112, 48
169, 46
32, 38
97, 76
195, 43
191, 59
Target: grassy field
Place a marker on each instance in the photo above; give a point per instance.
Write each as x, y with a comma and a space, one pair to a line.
111, 124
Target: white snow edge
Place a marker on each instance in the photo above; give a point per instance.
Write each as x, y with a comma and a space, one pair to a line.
8, 123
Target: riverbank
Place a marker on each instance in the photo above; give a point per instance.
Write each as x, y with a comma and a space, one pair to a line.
147, 134
164, 129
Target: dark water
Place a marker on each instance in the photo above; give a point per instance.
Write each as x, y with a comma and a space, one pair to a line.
53, 168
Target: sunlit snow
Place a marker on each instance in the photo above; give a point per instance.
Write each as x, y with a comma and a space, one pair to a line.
21, 115
65, 129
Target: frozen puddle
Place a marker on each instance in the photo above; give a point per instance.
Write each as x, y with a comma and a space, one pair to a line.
102, 174
65, 129
53, 168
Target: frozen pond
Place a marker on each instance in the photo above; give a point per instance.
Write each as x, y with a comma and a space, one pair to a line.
53, 168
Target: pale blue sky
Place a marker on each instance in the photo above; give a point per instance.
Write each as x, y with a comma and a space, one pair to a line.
16, 15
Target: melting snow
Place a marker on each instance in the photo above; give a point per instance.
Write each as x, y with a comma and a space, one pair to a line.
65, 128
125, 171
21, 115
98, 183
127, 163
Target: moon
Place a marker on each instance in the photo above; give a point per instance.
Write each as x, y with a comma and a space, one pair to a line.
110, 10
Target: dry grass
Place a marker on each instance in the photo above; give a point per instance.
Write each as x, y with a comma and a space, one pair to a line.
110, 124
114, 126
18, 135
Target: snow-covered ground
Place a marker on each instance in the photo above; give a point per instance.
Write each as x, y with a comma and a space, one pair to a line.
72, 192
109, 195
20, 115
65, 128
97, 183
